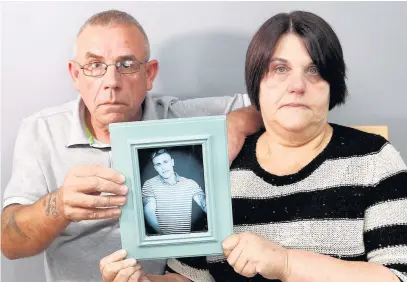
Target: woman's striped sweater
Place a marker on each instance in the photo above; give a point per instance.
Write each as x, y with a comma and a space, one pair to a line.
350, 203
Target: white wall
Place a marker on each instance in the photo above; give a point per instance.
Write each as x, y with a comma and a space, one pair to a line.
201, 49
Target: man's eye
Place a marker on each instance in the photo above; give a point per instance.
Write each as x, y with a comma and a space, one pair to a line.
127, 64
96, 65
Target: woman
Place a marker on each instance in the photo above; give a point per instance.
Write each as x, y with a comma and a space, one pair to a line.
312, 201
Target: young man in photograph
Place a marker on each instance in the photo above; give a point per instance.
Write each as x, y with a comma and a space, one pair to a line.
168, 198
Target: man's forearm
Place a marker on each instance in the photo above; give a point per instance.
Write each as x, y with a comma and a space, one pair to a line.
311, 267
241, 123
247, 120
29, 229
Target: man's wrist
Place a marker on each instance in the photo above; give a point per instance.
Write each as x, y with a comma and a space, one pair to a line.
54, 210
246, 121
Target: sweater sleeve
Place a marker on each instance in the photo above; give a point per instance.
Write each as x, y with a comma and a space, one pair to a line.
385, 219
193, 268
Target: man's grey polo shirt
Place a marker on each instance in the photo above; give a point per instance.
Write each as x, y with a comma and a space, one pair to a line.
54, 140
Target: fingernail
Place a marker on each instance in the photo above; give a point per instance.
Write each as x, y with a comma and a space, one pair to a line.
133, 261
123, 252
124, 189
123, 178
117, 212
122, 200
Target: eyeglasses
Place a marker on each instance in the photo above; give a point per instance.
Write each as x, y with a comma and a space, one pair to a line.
98, 69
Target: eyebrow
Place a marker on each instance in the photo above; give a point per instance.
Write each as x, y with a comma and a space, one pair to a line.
89, 55
127, 57
278, 60
272, 60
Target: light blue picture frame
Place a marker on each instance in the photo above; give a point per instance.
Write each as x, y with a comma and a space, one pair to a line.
210, 132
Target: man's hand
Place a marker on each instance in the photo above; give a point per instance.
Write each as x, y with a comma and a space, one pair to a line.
79, 198
115, 268
241, 123
250, 254
30, 229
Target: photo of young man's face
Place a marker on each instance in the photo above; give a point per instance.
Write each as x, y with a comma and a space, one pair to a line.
164, 165
173, 190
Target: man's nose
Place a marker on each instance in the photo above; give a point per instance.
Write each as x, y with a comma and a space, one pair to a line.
112, 78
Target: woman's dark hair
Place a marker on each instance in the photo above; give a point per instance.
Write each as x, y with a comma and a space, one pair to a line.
320, 40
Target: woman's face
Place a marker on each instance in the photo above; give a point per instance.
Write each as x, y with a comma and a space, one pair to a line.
293, 95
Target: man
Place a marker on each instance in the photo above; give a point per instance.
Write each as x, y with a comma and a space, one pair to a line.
168, 197
63, 196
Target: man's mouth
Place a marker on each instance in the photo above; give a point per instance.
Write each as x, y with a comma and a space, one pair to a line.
113, 104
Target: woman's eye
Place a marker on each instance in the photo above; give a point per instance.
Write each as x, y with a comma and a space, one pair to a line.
281, 69
313, 71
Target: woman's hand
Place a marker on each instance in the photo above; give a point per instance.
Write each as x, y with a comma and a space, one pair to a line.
115, 268
250, 254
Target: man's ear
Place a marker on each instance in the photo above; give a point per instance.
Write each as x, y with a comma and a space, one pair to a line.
173, 162
73, 69
151, 73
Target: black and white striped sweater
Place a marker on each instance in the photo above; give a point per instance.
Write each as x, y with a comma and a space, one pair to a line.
350, 203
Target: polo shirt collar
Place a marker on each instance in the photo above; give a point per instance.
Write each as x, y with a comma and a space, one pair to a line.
77, 135
80, 134
177, 178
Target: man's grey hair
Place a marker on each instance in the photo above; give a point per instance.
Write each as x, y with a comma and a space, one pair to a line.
115, 17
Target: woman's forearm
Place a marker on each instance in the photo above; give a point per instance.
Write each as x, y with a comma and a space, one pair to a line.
311, 267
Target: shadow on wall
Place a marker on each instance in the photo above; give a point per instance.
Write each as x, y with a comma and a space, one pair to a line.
202, 64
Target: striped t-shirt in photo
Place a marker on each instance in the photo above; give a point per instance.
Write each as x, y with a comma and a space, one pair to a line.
173, 201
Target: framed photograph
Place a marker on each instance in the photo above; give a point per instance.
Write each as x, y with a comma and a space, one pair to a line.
179, 200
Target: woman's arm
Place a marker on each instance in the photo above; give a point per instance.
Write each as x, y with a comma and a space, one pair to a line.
385, 232
311, 267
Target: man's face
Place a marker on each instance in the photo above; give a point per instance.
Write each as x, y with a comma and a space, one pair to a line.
114, 97
164, 165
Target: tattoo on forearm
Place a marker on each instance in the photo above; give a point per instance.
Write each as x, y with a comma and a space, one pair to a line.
50, 205
12, 223
200, 199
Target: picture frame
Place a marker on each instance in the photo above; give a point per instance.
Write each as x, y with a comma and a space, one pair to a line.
174, 213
